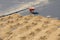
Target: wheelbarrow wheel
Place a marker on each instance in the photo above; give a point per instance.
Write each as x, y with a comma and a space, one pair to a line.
35, 13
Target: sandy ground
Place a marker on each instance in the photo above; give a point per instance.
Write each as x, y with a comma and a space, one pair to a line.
29, 27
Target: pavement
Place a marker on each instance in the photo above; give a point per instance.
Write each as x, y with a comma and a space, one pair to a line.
50, 8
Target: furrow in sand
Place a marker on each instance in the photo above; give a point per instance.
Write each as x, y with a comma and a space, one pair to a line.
21, 29
29, 27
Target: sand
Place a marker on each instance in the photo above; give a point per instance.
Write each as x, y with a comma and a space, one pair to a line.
29, 27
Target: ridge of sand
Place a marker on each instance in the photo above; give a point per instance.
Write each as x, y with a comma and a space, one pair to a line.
30, 27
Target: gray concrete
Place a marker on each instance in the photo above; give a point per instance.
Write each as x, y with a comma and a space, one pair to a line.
8, 4
53, 8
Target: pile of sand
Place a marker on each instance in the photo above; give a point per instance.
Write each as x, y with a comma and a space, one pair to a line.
30, 27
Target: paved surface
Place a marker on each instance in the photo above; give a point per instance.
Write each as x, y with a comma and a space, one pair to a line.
52, 9
8, 4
